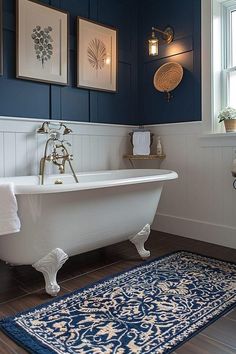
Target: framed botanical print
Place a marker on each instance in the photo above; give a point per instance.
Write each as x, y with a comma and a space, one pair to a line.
1, 38
96, 56
42, 43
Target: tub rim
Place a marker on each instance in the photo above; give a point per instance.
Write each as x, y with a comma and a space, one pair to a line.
153, 175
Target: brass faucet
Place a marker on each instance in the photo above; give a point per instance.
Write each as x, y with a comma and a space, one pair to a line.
59, 154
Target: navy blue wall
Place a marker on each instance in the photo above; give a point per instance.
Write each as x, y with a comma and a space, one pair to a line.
185, 17
137, 102
24, 98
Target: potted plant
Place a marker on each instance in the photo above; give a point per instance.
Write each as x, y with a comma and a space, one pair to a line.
228, 115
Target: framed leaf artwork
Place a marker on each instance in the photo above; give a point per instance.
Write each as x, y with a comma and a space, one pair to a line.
42, 43
96, 56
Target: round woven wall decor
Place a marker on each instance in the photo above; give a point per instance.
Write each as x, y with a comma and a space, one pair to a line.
168, 77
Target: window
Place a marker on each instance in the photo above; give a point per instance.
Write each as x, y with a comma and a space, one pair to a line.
218, 62
229, 45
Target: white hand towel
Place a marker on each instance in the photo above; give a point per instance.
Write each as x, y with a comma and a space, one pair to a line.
9, 220
141, 143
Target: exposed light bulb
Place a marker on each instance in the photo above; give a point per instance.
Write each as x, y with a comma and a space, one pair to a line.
108, 59
153, 46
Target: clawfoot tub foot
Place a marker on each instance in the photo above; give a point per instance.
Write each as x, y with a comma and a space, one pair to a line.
139, 239
49, 266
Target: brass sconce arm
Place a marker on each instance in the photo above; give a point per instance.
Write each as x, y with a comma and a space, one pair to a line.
157, 30
167, 34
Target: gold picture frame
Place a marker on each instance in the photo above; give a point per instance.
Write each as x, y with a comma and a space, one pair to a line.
97, 56
42, 44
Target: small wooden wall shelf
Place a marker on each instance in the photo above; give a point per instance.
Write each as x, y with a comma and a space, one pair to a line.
144, 157
131, 158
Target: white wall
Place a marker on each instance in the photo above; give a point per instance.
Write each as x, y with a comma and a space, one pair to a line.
201, 204
94, 146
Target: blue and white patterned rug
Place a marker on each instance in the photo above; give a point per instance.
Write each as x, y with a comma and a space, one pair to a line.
152, 308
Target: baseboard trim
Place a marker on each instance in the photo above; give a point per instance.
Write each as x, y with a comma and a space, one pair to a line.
196, 229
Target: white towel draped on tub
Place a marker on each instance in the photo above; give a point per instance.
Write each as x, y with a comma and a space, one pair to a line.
9, 220
141, 143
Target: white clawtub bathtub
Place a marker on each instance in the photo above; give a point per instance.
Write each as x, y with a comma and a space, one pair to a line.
71, 218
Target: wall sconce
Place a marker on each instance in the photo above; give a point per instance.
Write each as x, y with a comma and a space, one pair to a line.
167, 35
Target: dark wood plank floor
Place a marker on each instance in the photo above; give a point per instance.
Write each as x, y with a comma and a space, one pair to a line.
22, 287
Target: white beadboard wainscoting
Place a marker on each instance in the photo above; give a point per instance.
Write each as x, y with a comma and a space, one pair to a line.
201, 204
94, 146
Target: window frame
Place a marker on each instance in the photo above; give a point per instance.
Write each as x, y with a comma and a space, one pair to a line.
214, 78
227, 8
212, 133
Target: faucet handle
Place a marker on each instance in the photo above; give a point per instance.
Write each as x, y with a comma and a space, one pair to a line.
55, 135
66, 142
49, 158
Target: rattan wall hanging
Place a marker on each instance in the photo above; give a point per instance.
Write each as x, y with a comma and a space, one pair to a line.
167, 78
